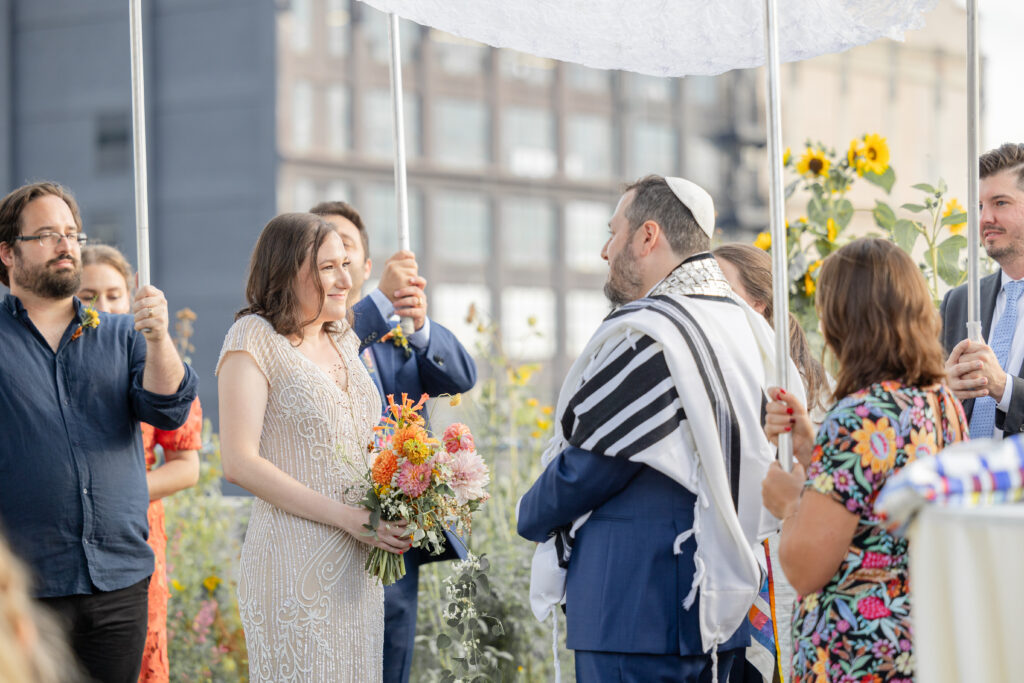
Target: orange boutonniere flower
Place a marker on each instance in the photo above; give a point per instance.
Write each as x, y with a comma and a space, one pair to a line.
90, 320
398, 338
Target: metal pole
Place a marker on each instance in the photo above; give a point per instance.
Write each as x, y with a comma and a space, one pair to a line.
973, 218
780, 284
401, 188
139, 142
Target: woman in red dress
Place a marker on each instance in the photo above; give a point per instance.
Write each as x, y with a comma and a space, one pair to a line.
106, 278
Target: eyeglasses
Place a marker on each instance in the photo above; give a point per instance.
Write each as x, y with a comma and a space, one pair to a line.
51, 239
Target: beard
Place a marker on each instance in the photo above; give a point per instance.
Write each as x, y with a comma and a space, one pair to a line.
46, 283
624, 283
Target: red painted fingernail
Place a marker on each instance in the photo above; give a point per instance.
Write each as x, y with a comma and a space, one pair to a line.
782, 391
788, 428
789, 411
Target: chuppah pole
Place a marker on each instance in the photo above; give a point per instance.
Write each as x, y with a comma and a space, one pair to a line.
398, 117
776, 203
139, 142
973, 216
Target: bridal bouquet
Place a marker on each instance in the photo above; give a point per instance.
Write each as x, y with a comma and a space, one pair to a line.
433, 484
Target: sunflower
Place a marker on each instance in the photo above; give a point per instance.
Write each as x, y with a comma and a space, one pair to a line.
786, 156
855, 156
954, 207
876, 444
763, 241
831, 230
876, 153
814, 162
809, 283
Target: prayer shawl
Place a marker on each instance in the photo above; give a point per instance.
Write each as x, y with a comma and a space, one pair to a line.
685, 369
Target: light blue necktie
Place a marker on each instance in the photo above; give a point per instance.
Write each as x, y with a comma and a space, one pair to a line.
983, 417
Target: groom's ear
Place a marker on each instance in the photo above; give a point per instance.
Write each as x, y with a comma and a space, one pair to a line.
647, 239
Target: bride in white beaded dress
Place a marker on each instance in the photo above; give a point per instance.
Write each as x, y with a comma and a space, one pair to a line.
297, 410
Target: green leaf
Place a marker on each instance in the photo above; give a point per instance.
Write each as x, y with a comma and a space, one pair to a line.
884, 216
949, 259
483, 585
955, 218
443, 641
925, 187
791, 188
941, 187
884, 181
375, 518
816, 211
905, 234
843, 212
914, 208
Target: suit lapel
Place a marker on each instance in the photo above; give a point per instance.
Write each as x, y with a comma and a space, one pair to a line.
990, 287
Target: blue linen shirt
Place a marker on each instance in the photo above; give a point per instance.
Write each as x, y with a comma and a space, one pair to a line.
73, 493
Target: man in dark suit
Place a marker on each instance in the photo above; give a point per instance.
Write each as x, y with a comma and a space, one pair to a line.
433, 362
987, 376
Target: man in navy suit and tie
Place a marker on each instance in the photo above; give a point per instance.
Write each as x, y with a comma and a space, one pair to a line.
434, 363
987, 377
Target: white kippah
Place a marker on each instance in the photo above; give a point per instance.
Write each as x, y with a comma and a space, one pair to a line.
697, 200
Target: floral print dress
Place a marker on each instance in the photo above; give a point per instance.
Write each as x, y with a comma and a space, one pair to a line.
857, 628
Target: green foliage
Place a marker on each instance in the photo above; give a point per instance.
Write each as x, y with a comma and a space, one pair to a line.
204, 530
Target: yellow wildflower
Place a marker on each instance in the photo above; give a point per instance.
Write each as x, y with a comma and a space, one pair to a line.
532, 321
547, 410
954, 207
786, 156
809, 284
535, 434
177, 585
814, 162
532, 402
831, 230
211, 582
543, 424
763, 241
855, 156
876, 153
455, 400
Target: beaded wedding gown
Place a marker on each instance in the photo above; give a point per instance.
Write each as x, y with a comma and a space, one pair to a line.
311, 612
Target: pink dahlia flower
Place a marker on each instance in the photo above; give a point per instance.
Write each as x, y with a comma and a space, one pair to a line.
457, 438
469, 476
413, 479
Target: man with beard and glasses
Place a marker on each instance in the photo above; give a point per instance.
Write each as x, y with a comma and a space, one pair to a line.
74, 385
648, 508
989, 377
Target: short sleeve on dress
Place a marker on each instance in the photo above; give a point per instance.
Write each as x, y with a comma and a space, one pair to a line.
853, 453
187, 437
252, 334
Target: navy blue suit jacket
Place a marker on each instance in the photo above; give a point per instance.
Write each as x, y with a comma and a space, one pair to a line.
624, 586
442, 367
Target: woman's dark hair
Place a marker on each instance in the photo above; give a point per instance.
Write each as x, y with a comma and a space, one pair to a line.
285, 244
878, 317
755, 270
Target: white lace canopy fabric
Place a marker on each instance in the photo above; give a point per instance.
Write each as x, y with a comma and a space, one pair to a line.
665, 37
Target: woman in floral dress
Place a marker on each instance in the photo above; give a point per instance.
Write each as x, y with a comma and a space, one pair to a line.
853, 620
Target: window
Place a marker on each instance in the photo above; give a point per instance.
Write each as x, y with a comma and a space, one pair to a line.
528, 142
703, 164
375, 28
449, 304
589, 142
378, 140
458, 56
528, 232
338, 24
302, 25
584, 311
702, 89
337, 191
104, 228
585, 79
462, 229
302, 115
303, 194
113, 143
380, 214
528, 322
527, 68
652, 149
585, 235
461, 134
649, 88
339, 118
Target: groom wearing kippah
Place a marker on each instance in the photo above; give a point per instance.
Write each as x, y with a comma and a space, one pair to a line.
649, 505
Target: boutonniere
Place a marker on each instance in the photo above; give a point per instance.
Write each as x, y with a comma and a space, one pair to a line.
398, 338
90, 320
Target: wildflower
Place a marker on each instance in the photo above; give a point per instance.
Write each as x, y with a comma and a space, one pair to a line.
455, 400
809, 283
814, 162
532, 402
186, 314
177, 585
831, 231
876, 154
532, 321
211, 582
89, 320
416, 451
535, 434
471, 313
547, 410
787, 156
469, 476
855, 156
397, 337
413, 432
413, 479
457, 438
543, 425
763, 241
953, 207
384, 467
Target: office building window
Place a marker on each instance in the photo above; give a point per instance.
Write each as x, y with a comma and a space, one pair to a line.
702, 90
703, 164
527, 232
302, 24
586, 232
528, 141
652, 149
338, 191
339, 23
375, 29
519, 66
113, 143
584, 311
339, 118
585, 79
302, 115
649, 88
458, 56
450, 305
304, 194
461, 134
528, 322
589, 147
380, 214
378, 139
462, 229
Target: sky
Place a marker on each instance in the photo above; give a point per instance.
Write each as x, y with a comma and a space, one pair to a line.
1002, 46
